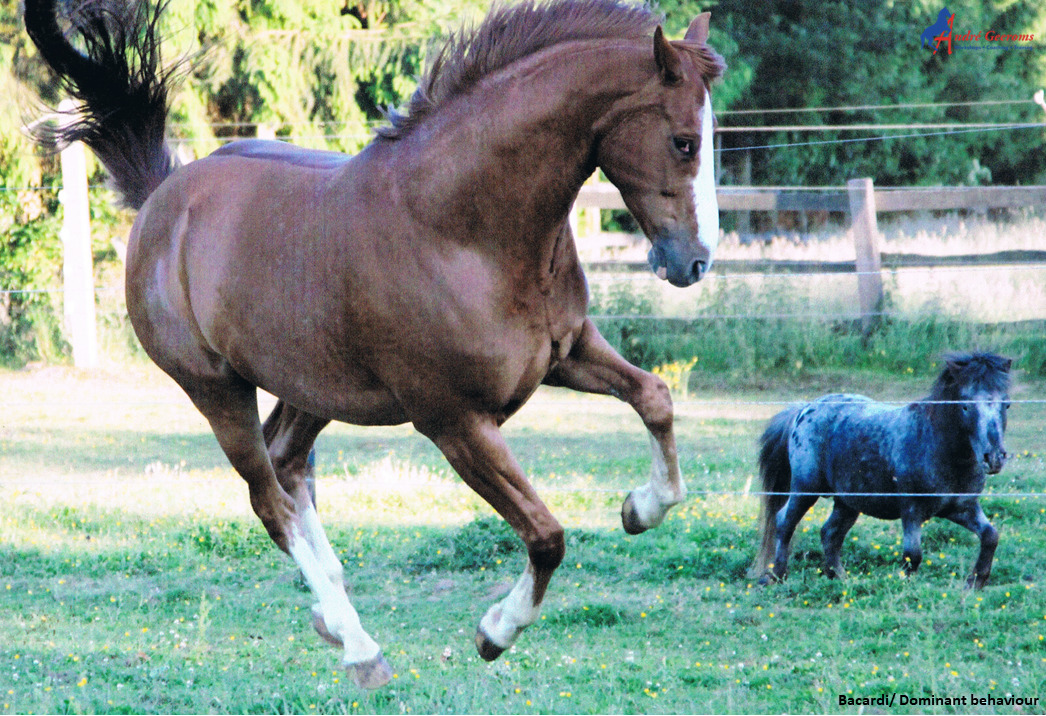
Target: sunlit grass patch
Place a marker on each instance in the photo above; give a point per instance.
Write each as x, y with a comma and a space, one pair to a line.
148, 585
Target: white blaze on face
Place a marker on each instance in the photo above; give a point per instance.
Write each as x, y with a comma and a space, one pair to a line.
707, 208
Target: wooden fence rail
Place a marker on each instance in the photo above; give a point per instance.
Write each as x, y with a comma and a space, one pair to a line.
862, 201
603, 195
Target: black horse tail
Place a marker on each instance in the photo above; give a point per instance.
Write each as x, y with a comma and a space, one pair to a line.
118, 81
776, 473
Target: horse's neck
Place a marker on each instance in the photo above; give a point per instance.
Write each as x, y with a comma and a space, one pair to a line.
952, 448
510, 155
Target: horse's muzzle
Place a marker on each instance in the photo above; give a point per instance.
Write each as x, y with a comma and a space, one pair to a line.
680, 266
994, 461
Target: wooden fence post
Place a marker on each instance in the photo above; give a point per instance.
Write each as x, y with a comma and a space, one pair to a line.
744, 217
77, 262
866, 241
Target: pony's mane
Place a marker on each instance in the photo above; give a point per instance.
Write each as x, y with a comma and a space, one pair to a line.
980, 371
511, 33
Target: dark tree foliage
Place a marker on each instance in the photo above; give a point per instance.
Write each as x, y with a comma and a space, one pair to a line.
831, 54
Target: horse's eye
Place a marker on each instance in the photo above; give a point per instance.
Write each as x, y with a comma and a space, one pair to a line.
685, 146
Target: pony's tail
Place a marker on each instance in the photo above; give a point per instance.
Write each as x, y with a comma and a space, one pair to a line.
776, 473
119, 82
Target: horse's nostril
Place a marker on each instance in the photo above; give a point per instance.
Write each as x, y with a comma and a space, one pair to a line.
697, 270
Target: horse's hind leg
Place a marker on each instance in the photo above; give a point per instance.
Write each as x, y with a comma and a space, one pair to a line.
833, 532
476, 449
289, 435
230, 405
593, 366
971, 516
787, 520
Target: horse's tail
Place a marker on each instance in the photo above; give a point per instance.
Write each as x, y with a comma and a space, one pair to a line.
776, 473
118, 81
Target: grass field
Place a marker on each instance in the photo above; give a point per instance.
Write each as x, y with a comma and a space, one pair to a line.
134, 577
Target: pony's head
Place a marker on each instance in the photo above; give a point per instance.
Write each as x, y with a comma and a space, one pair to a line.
656, 147
973, 390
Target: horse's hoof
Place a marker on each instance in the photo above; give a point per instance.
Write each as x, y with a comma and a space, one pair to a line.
371, 674
488, 650
977, 581
770, 578
321, 628
630, 518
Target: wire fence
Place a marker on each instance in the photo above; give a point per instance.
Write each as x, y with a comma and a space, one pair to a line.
1035, 465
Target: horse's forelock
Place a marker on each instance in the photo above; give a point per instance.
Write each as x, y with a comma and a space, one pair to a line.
981, 372
709, 62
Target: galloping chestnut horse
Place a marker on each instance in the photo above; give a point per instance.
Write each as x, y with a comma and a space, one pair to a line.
430, 279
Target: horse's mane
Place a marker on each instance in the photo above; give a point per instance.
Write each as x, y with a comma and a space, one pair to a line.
980, 371
511, 33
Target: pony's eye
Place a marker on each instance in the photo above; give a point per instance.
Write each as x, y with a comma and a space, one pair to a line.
685, 146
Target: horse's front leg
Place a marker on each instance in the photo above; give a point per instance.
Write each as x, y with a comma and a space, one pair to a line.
476, 449
593, 366
971, 516
911, 542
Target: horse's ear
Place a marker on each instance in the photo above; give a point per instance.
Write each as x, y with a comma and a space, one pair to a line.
956, 364
669, 61
698, 30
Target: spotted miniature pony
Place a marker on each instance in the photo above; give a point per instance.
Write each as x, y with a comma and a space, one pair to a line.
927, 459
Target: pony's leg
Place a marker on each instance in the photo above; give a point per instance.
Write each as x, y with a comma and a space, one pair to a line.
787, 520
832, 535
972, 517
912, 526
231, 407
593, 366
477, 451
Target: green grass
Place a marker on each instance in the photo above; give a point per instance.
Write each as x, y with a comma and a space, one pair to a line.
750, 332
134, 577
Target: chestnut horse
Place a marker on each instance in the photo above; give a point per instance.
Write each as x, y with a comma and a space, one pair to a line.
431, 278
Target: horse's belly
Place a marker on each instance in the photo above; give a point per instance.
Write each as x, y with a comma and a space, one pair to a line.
883, 508
337, 399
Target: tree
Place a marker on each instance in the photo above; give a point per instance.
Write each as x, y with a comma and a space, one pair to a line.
831, 53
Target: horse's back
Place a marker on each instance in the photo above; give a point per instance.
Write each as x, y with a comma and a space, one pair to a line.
283, 152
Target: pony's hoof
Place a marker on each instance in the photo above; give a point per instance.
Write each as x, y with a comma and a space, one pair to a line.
630, 518
371, 674
770, 578
321, 628
488, 650
977, 581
